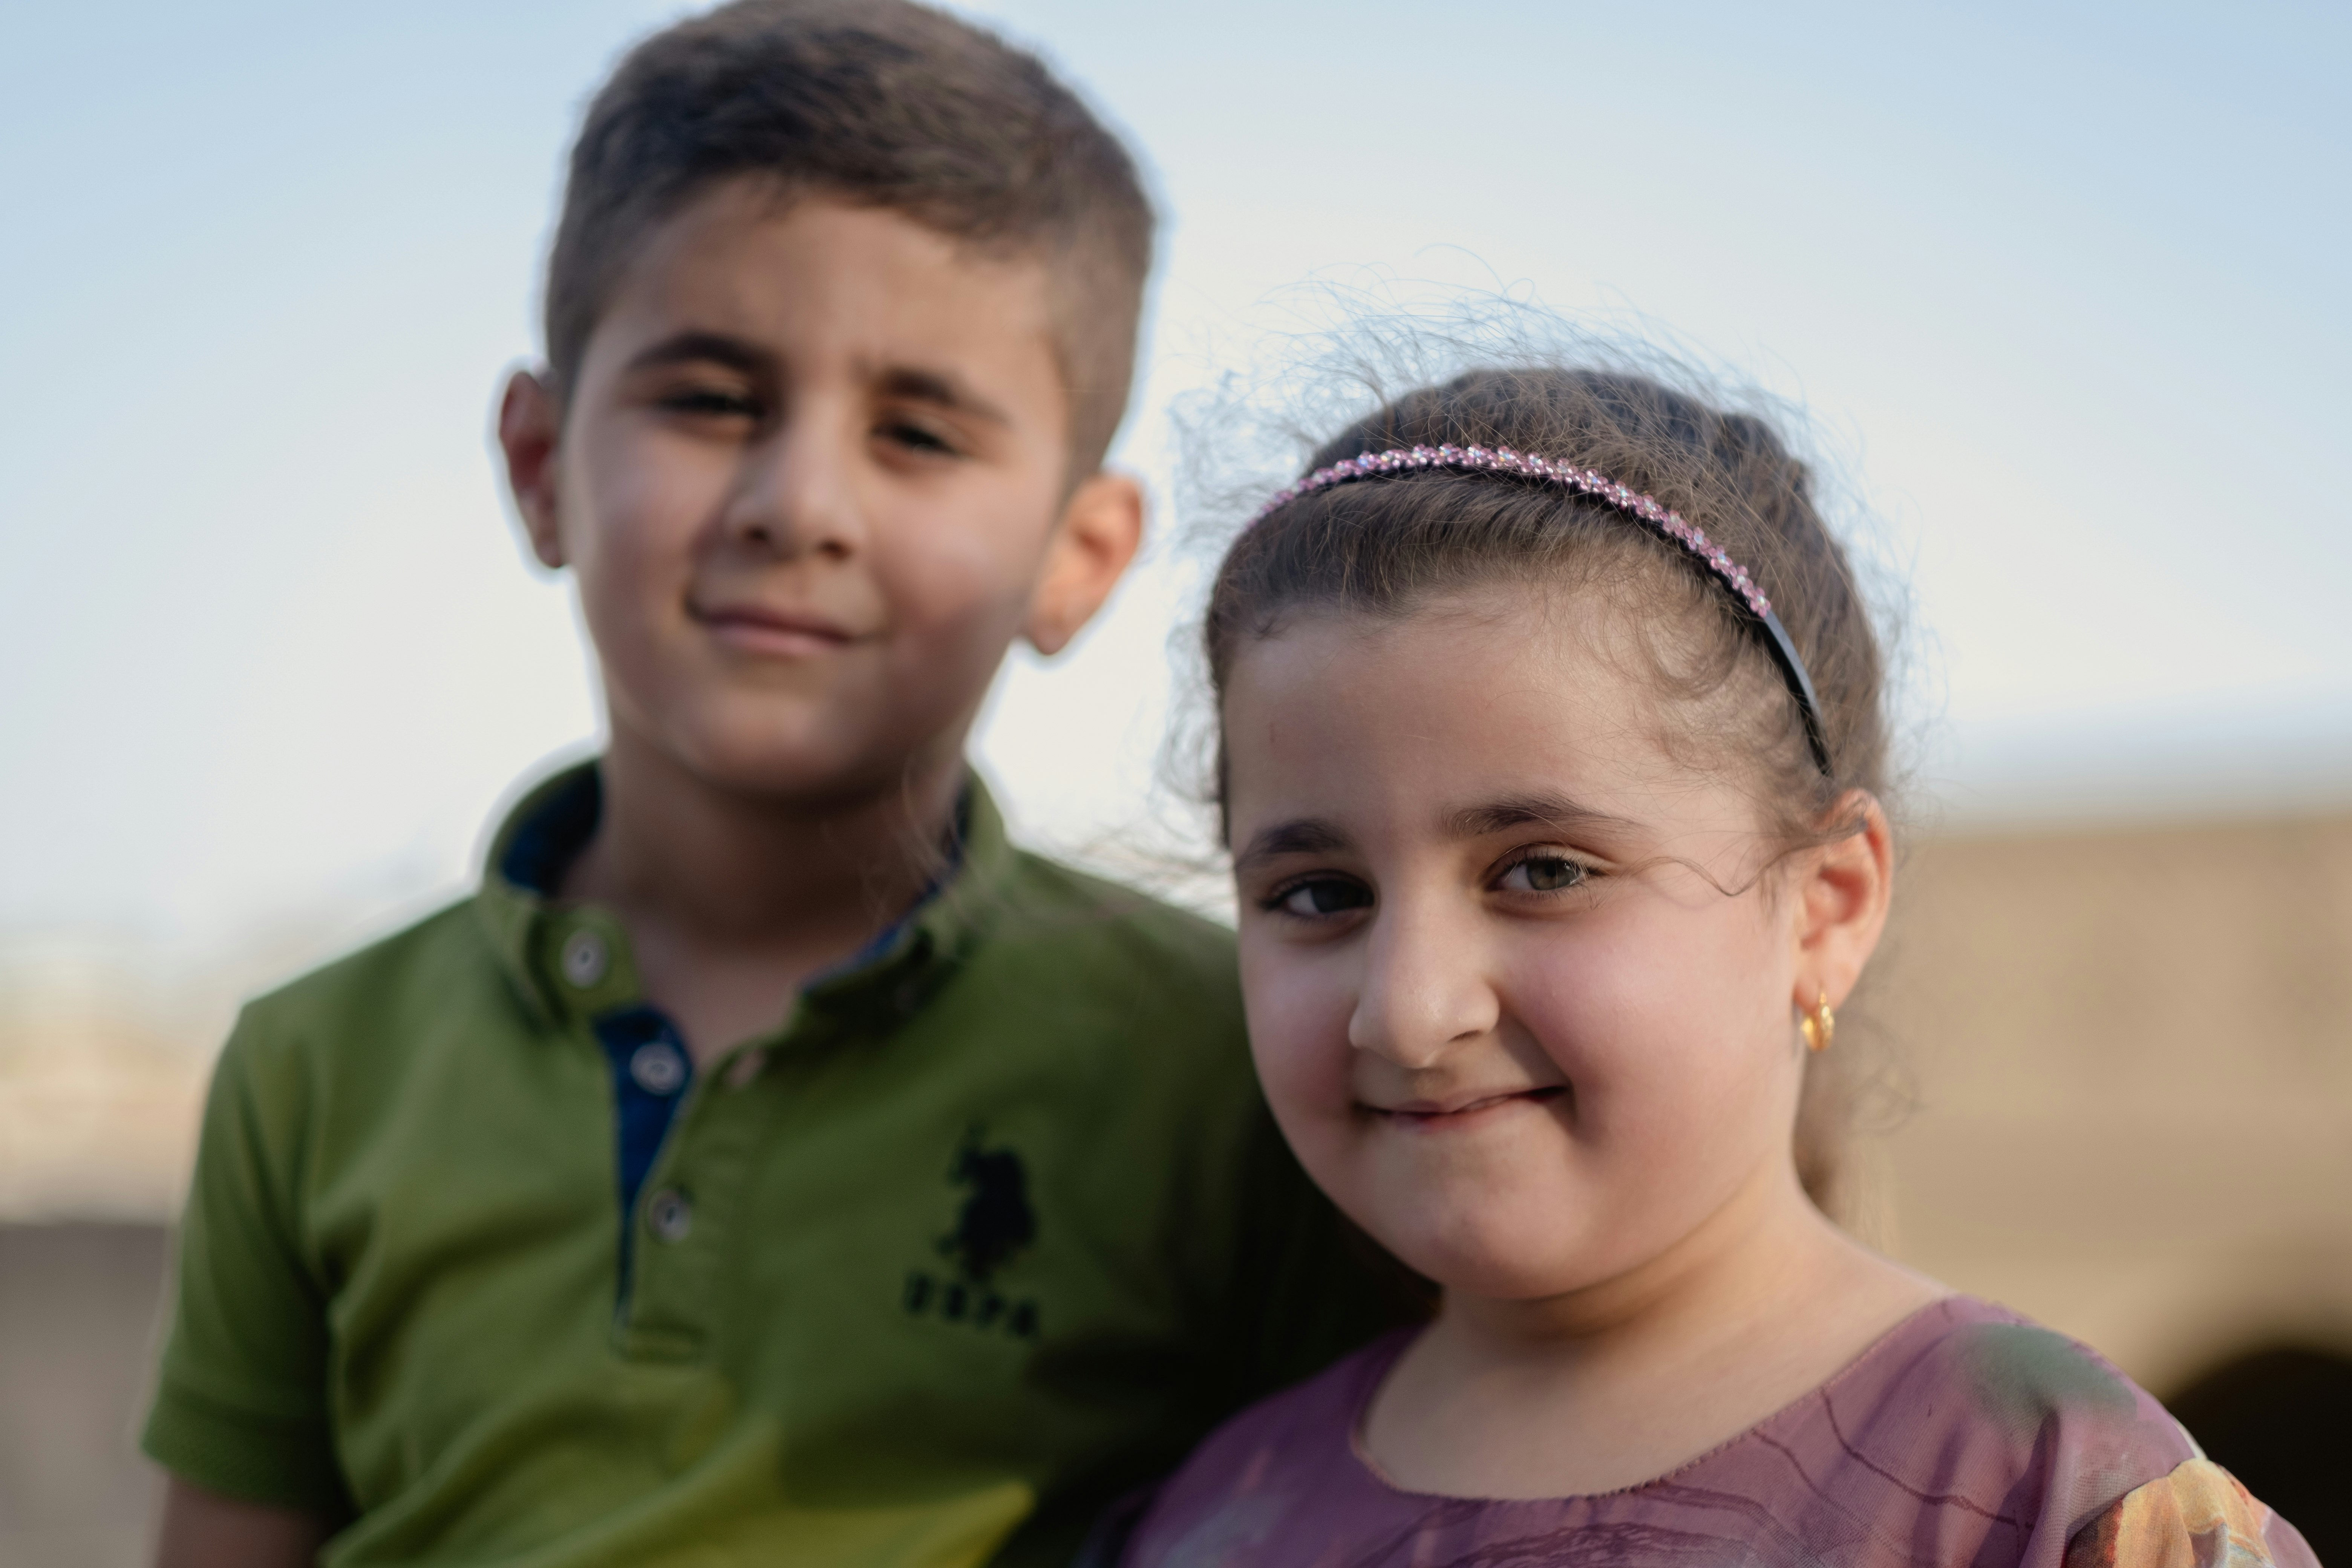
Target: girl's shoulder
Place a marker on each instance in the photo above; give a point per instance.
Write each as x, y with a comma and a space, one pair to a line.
1975, 1398
1993, 1431
1966, 1434
1972, 1424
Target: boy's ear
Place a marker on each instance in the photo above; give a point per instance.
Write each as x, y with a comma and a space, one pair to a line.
530, 418
1100, 530
1843, 890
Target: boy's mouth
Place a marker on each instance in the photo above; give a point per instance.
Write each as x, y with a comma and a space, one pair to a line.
777, 634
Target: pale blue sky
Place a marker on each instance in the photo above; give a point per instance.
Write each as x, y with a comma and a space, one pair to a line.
2067, 289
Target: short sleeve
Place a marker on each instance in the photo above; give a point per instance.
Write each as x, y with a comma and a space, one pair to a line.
2195, 1516
241, 1401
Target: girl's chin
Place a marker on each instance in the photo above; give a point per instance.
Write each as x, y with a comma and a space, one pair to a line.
1499, 1279
1478, 1256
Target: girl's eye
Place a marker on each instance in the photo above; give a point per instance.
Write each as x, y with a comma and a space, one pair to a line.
1321, 897
1544, 874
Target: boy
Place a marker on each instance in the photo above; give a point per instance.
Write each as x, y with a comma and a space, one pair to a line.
769, 1163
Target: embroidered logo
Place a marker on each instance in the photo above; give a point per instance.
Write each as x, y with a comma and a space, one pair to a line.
993, 1225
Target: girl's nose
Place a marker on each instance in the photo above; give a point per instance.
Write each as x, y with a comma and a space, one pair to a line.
797, 497
1424, 989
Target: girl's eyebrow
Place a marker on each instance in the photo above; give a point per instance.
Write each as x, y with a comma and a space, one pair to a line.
1321, 836
1541, 808
1302, 835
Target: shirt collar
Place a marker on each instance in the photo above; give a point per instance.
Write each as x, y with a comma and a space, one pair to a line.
571, 960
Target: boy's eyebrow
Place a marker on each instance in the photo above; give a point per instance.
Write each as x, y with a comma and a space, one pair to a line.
943, 388
1303, 836
1539, 809
718, 348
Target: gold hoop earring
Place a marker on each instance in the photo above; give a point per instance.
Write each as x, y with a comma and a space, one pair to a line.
1820, 1026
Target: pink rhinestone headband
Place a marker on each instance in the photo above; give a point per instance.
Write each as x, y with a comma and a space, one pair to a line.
1662, 520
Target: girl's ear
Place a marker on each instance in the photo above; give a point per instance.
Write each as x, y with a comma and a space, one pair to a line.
1100, 530
1843, 890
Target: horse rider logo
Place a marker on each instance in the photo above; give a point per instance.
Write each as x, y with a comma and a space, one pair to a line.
993, 1225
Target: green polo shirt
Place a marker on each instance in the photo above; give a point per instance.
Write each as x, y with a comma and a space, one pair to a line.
990, 1230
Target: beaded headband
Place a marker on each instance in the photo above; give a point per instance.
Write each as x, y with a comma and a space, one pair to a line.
1660, 520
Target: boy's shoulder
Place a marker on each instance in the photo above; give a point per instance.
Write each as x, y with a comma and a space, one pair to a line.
436, 944
1057, 961
1050, 902
1062, 930
441, 970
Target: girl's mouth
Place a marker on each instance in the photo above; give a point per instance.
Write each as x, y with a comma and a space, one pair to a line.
1443, 1116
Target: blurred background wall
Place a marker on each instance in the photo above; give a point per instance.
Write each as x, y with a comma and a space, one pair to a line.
2133, 1049
2059, 289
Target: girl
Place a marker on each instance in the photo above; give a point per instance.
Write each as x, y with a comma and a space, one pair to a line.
1553, 740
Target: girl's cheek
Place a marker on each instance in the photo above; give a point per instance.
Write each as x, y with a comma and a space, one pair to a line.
1639, 1027
1298, 1035
1590, 1008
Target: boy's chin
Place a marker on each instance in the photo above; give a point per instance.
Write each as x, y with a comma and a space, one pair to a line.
812, 767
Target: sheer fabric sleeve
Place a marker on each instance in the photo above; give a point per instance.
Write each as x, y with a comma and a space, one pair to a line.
2195, 1516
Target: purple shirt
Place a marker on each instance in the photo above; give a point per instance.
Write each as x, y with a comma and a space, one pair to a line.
1965, 1436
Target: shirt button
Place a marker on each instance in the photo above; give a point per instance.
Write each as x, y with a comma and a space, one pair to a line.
583, 958
670, 1215
657, 1067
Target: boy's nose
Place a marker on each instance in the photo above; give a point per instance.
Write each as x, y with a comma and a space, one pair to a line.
798, 498
1424, 992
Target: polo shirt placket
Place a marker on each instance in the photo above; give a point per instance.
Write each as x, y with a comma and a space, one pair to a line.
693, 1217
685, 1143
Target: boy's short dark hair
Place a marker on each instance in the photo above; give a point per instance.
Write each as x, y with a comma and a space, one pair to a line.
882, 103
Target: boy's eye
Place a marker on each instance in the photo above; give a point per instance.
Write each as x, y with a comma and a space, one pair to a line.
1321, 897
915, 437
711, 403
1544, 874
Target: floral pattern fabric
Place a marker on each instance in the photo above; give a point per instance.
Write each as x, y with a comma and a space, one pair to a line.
2195, 1516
